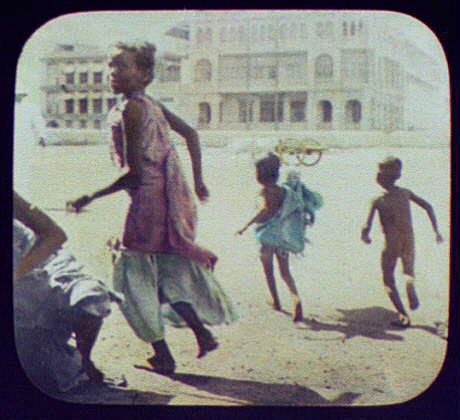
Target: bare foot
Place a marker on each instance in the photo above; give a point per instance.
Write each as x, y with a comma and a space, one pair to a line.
402, 322
298, 315
206, 343
412, 296
275, 305
94, 374
162, 366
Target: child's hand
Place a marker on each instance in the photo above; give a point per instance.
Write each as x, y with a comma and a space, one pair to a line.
78, 204
439, 238
365, 236
201, 191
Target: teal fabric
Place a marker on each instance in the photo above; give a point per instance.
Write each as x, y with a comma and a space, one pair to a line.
150, 282
286, 230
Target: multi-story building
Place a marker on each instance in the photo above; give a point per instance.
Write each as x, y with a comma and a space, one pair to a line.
77, 93
298, 71
264, 71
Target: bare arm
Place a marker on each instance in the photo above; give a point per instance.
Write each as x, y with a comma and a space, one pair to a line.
193, 145
49, 236
367, 229
131, 118
263, 215
429, 209
258, 218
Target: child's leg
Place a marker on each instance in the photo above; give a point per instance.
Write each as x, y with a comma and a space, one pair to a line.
388, 262
204, 338
283, 262
162, 361
86, 328
408, 258
266, 256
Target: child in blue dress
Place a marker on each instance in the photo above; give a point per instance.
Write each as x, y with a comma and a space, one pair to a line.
288, 210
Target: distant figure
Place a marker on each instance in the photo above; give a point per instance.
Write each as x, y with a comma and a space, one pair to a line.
53, 299
157, 260
28, 122
282, 223
395, 217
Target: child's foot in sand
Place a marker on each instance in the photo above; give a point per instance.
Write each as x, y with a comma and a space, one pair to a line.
402, 322
206, 343
298, 315
275, 305
162, 366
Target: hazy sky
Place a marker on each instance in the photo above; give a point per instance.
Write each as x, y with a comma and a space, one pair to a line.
105, 28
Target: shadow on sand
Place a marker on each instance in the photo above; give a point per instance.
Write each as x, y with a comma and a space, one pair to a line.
373, 322
90, 393
259, 393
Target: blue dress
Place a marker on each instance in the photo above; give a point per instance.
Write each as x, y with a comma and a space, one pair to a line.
285, 231
46, 303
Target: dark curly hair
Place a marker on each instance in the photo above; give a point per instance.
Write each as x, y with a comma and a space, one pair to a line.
391, 168
144, 56
268, 168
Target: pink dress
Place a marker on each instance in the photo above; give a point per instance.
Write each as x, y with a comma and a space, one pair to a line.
162, 215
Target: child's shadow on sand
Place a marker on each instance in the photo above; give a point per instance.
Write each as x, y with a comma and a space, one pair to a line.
373, 322
91, 393
259, 393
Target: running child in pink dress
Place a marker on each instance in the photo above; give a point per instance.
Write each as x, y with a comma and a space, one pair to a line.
157, 260
393, 208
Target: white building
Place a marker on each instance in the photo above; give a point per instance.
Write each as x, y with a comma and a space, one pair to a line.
77, 93
299, 71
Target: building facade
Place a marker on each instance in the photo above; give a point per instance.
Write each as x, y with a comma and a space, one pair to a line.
263, 71
298, 71
76, 89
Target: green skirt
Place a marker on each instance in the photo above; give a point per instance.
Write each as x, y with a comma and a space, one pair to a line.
150, 282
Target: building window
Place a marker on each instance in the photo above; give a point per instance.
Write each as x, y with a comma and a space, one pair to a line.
243, 111
171, 73
97, 106
69, 106
344, 28
267, 109
353, 111
97, 124
324, 66
70, 78
83, 105
68, 123
83, 123
297, 111
97, 77
83, 77
111, 102
204, 116
352, 28
203, 71
326, 111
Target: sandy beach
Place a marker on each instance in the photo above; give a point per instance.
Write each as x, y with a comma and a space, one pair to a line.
345, 352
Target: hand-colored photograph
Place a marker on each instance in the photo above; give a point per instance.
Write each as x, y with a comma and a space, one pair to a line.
232, 208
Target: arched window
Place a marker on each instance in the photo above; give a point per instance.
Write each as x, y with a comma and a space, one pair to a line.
203, 71
325, 108
204, 116
353, 111
324, 66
